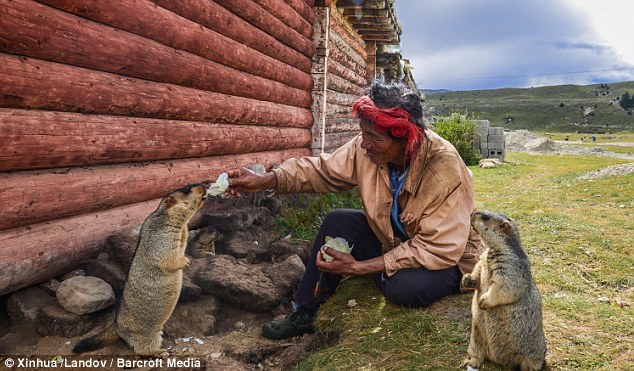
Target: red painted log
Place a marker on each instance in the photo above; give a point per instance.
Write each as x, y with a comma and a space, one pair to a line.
285, 13
303, 9
31, 83
254, 14
146, 19
35, 196
44, 139
217, 18
33, 254
42, 32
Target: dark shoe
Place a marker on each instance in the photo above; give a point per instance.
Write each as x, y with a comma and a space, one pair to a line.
297, 323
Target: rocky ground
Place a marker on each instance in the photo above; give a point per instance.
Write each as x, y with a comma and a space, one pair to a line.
241, 277
526, 141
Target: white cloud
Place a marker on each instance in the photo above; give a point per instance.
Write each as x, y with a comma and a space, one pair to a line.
463, 45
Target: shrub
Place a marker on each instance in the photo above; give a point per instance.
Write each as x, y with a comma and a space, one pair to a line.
459, 130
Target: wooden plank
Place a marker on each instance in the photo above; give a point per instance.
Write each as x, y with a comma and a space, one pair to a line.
37, 252
146, 19
339, 84
44, 139
32, 83
221, 20
345, 60
287, 14
340, 99
344, 72
257, 16
42, 32
336, 41
36, 196
337, 125
341, 26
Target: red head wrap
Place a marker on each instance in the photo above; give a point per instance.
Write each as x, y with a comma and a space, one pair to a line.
396, 121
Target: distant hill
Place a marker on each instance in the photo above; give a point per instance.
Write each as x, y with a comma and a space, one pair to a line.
565, 108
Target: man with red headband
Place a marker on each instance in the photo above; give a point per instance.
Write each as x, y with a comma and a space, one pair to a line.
413, 235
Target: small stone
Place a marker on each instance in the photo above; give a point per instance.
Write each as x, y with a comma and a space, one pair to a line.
85, 294
352, 303
239, 326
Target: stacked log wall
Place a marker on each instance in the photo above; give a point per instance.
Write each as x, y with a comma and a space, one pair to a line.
339, 64
106, 107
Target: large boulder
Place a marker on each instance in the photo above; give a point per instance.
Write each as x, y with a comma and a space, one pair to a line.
238, 283
85, 294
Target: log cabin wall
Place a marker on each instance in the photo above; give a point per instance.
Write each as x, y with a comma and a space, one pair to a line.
340, 74
106, 106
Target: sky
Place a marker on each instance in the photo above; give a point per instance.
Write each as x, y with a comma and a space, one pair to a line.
490, 44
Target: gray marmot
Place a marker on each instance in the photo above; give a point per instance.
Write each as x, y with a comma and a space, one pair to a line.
155, 277
506, 325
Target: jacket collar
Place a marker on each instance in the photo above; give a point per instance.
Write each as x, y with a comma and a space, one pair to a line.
415, 176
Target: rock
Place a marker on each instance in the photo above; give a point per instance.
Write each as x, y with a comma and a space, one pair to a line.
85, 294
239, 284
250, 348
49, 286
238, 218
108, 271
189, 290
53, 320
273, 204
282, 249
286, 275
306, 345
251, 244
74, 273
193, 318
487, 163
121, 246
23, 306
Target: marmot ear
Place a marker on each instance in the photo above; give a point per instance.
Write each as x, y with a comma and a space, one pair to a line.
505, 225
169, 201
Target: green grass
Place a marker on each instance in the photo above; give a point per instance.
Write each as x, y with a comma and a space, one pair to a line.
578, 234
551, 108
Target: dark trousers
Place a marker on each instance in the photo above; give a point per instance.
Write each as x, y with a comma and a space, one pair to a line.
413, 287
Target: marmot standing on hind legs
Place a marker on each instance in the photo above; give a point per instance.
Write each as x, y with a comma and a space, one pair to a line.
155, 277
506, 325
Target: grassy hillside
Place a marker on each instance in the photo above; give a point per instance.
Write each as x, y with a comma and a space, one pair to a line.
566, 108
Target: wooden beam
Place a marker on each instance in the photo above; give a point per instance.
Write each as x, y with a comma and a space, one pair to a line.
217, 18
30, 197
44, 139
40, 31
303, 9
287, 14
35, 253
146, 19
37, 84
256, 15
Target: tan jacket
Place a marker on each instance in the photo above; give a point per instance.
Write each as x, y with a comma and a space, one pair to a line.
436, 202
